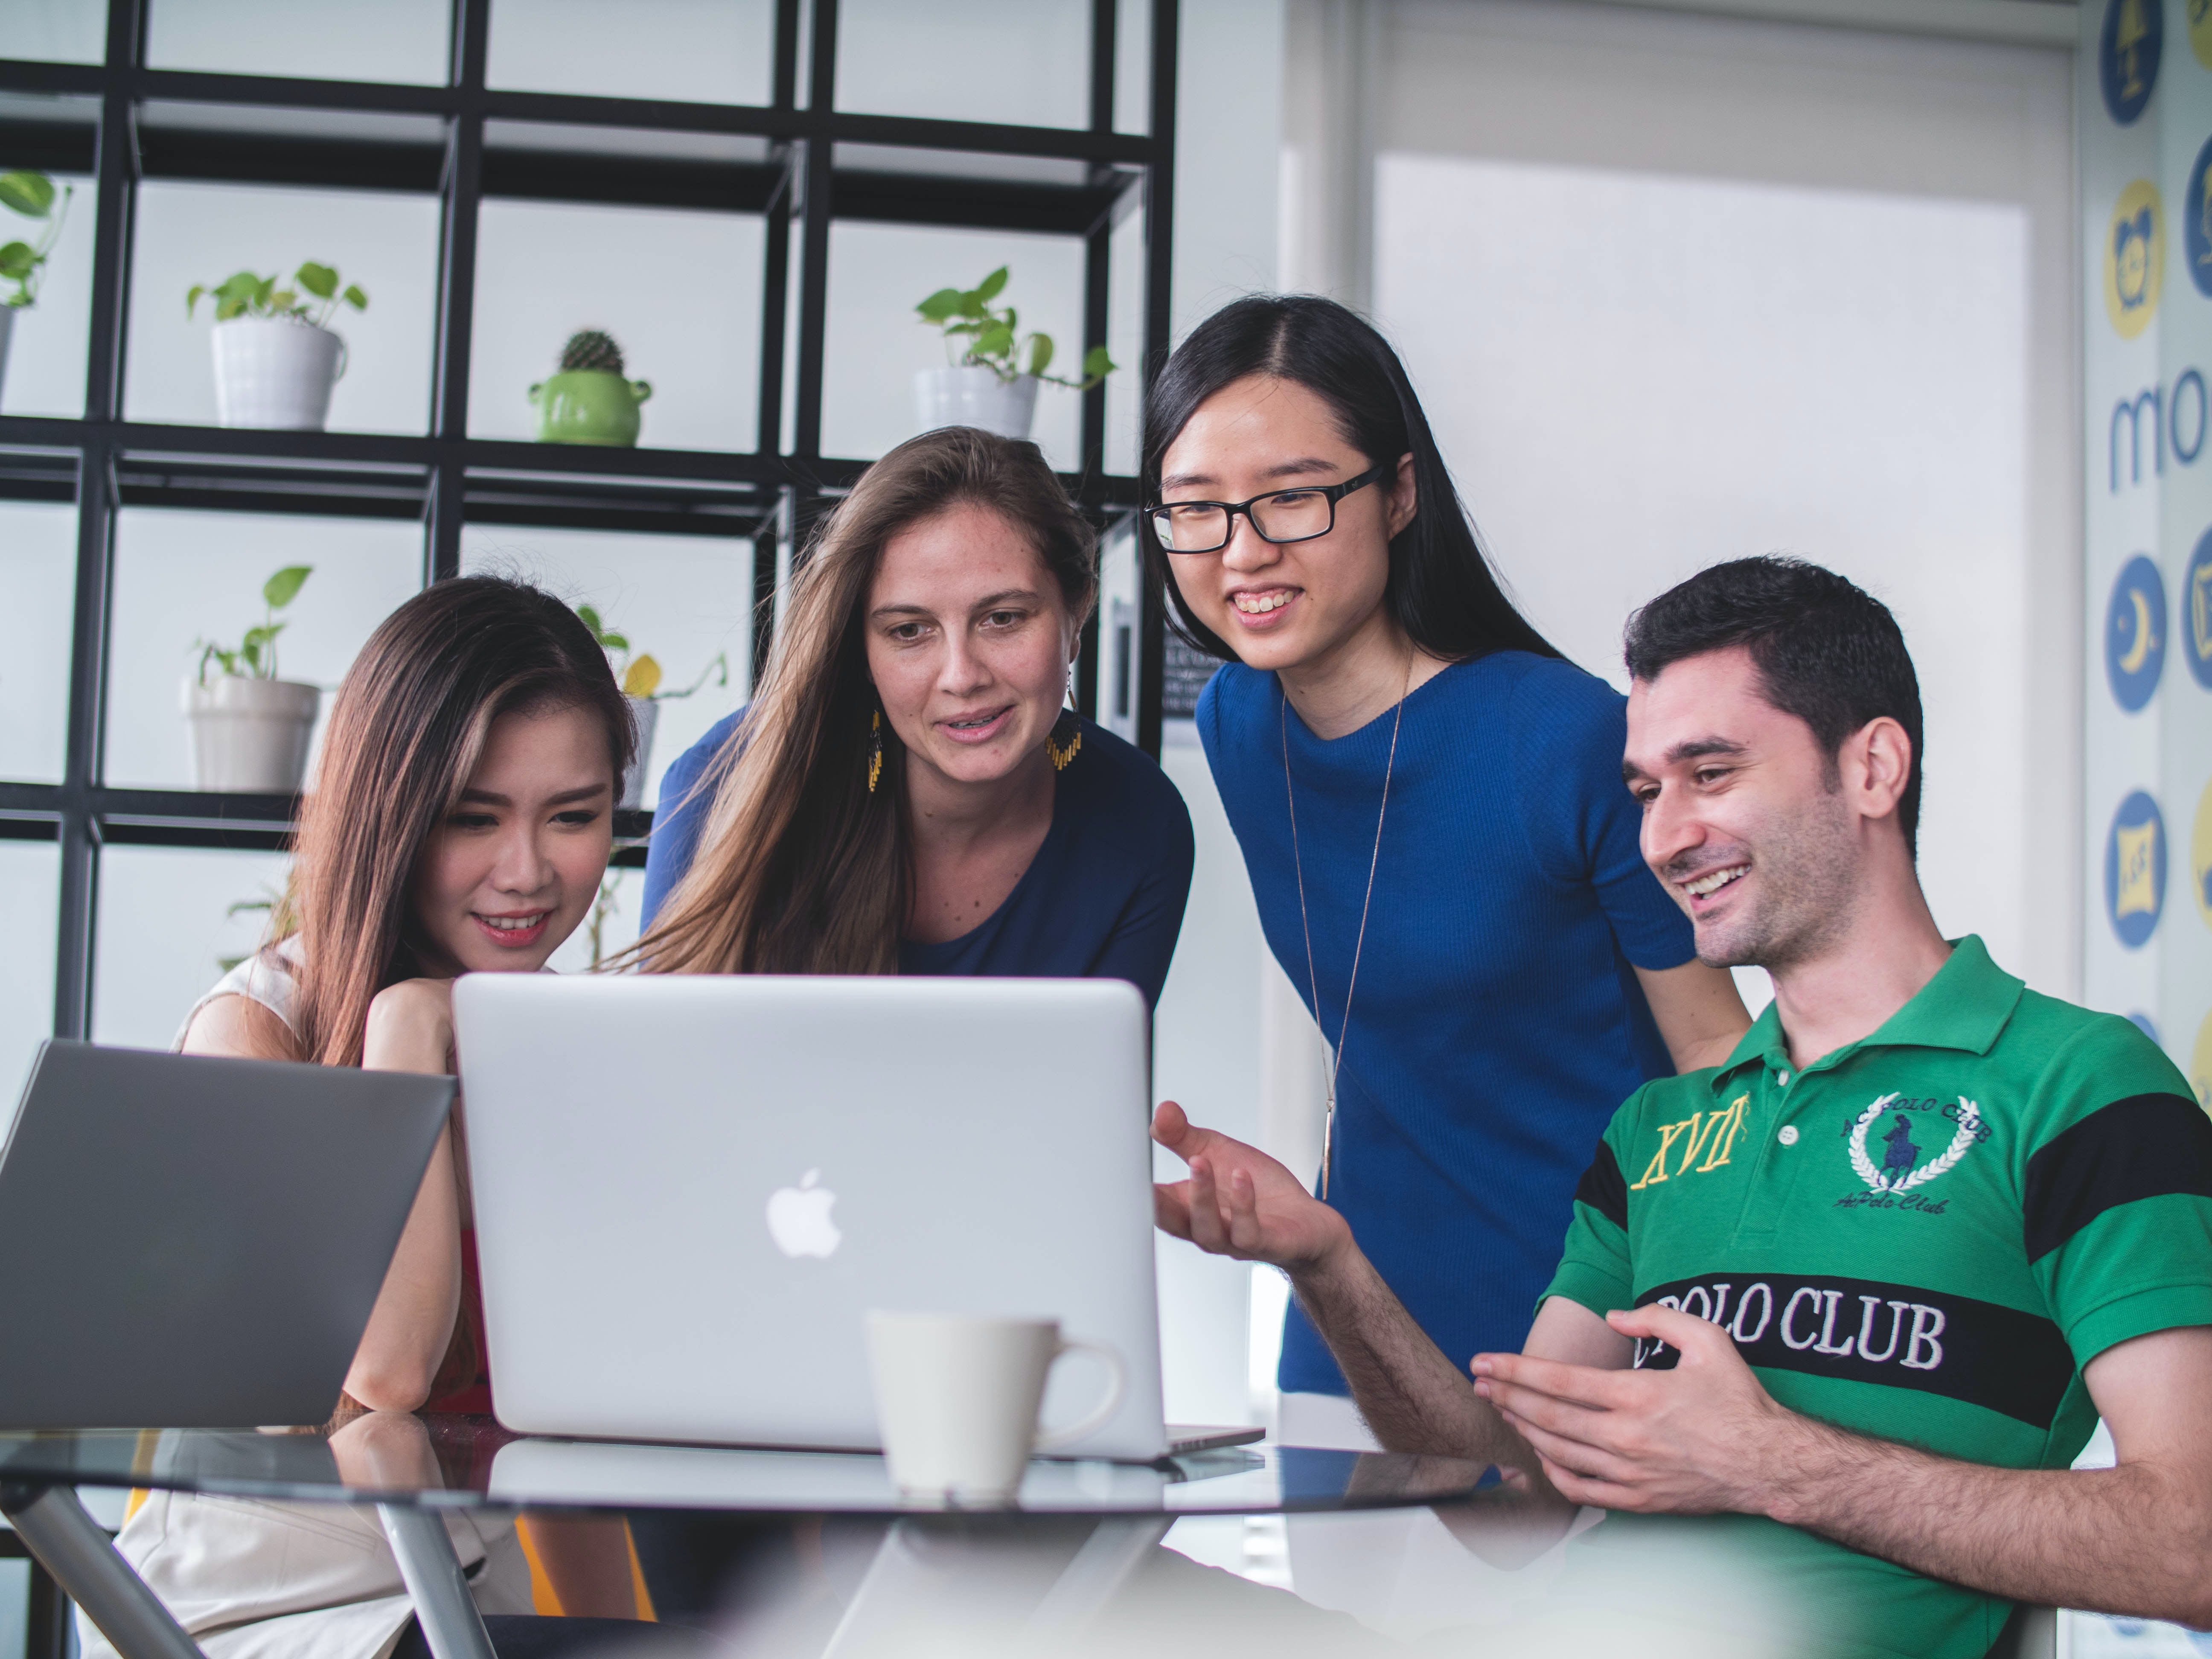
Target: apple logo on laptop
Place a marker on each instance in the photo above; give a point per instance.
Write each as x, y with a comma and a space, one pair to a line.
798, 1217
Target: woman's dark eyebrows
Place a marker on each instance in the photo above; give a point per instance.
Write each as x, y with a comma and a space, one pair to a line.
493, 798
1281, 470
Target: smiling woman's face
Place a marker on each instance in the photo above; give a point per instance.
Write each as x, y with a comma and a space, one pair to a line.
512, 869
1287, 605
968, 642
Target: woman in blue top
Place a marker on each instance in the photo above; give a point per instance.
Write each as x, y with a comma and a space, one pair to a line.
907, 793
1430, 804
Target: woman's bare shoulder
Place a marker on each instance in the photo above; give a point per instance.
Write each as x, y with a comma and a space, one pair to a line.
242, 1028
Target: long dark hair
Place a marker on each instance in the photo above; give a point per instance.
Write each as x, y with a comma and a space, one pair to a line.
406, 732
1441, 588
802, 868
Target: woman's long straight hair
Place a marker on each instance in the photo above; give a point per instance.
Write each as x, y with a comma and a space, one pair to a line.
406, 732
1441, 588
801, 868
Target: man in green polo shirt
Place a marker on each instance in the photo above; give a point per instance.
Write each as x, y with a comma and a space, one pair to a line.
1875, 1277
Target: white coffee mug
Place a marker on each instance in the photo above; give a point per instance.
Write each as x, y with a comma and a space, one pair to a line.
956, 1399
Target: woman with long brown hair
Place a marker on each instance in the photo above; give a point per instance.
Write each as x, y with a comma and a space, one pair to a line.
909, 793
460, 821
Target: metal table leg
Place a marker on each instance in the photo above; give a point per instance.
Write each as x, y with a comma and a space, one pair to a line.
84, 1561
447, 1613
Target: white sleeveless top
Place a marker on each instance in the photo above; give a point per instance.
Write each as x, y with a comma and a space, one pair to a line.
252, 1580
268, 977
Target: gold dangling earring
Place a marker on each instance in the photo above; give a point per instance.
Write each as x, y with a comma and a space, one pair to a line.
875, 748
1061, 755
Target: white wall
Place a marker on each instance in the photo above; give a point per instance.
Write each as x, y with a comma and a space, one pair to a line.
1207, 1048
1677, 290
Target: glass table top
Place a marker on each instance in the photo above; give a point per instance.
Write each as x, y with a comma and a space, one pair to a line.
465, 1461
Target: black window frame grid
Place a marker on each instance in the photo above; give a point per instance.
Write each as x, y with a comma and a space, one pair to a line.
445, 478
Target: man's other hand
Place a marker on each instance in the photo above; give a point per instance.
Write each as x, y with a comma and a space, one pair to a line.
1692, 1440
1239, 1202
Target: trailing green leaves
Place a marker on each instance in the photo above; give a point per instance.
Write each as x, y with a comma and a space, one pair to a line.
993, 338
640, 677
33, 196
254, 657
243, 294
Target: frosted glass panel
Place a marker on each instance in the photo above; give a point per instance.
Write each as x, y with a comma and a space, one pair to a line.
1026, 63
677, 599
45, 352
165, 931
1774, 372
54, 31
875, 344
1133, 71
679, 291
185, 576
333, 40
700, 52
1125, 339
30, 898
38, 568
197, 233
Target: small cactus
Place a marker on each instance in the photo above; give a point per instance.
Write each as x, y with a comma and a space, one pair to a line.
592, 348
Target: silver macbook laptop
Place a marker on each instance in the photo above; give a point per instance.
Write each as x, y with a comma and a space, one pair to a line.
198, 1242
690, 1189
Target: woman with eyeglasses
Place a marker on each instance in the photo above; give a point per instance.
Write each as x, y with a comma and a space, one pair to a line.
1429, 800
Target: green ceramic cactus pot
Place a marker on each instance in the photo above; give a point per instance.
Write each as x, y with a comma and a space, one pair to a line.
589, 406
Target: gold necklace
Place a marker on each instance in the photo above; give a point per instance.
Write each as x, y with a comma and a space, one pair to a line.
1332, 1067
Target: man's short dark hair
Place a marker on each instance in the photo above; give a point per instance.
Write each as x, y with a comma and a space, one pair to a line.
1826, 652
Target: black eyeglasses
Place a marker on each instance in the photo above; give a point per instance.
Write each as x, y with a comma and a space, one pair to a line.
1280, 515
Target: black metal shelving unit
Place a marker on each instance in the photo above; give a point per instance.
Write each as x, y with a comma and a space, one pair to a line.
121, 121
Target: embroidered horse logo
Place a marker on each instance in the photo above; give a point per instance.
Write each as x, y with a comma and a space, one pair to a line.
1901, 1170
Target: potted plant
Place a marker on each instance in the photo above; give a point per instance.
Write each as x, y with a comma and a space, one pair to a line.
640, 676
250, 729
992, 379
587, 401
23, 263
276, 356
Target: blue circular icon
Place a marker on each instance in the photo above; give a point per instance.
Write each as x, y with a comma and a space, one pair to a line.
2195, 211
2135, 633
2128, 48
2142, 1023
2194, 606
2134, 870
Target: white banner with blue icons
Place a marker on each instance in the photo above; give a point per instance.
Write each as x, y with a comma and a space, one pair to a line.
2145, 120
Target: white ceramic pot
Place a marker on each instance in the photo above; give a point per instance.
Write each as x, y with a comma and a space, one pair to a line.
7, 328
276, 372
974, 397
250, 736
647, 712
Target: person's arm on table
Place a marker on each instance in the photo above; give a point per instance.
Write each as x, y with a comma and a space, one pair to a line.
1698, 1011
1707, 1436
411, 1028
1239, 1202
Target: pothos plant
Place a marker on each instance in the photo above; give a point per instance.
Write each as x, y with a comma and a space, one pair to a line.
32, 195
641, 675
978, 335
254, 658
313, 297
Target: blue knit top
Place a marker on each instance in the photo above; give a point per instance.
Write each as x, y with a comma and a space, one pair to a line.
1103, 899
1497, 1022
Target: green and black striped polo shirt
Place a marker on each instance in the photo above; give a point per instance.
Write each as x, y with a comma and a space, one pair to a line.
1924, 1235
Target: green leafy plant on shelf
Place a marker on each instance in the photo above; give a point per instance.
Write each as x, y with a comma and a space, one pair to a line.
254, 658
641, 675
312, 298
977, 335
33, 196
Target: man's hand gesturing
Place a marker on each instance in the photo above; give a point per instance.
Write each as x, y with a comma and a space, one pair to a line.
1239, 1202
